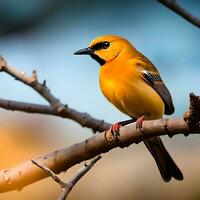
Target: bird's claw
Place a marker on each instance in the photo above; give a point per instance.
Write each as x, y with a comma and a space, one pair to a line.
115, 130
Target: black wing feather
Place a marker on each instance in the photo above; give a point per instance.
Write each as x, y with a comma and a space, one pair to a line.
155, 81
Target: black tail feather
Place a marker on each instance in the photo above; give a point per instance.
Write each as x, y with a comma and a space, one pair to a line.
164, 161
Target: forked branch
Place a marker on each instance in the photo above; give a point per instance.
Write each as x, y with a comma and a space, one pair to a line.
67, 186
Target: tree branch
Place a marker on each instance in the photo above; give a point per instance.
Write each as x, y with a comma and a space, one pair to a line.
171, 4
67, 186
56, 107
61, 160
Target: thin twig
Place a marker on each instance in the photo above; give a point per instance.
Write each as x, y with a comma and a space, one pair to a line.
50, 173
67, 186
171, 4
77, 177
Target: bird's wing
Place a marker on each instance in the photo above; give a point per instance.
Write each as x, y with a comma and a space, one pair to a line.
151, 75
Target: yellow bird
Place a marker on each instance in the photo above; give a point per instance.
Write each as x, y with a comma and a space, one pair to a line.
133, 84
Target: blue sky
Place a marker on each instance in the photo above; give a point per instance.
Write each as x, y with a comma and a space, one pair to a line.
169, 41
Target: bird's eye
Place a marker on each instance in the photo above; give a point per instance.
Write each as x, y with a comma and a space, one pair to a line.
105, 45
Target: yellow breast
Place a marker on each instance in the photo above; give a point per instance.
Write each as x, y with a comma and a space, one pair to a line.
124, 87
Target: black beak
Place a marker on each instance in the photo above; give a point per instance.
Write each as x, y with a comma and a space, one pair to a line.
85, 51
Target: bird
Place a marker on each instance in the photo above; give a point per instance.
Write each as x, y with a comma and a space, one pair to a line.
132, 83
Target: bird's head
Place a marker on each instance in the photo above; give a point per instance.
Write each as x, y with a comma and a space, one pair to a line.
105, 49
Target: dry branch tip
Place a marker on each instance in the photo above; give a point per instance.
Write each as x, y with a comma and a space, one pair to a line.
174, 6
192, 116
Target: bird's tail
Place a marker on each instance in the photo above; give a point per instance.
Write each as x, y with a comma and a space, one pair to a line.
164, 161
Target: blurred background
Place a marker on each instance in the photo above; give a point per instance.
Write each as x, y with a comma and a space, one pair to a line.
43, 35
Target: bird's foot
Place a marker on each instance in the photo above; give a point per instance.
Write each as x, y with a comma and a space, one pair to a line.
115, 129
139, 122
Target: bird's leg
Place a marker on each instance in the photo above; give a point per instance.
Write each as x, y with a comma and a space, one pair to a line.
115, 127
126, 122
139, 122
